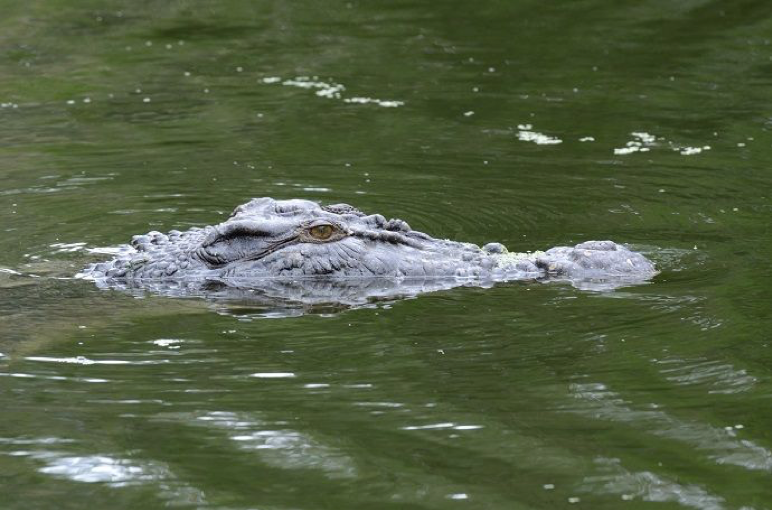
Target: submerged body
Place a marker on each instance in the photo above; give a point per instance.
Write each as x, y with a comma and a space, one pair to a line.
297, 240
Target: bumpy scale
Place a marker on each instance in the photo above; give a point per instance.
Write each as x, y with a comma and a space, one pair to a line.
299, 239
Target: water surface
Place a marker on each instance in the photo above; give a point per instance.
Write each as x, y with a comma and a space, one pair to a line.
519, 122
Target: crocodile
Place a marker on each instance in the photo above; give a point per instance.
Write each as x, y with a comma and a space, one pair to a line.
326, 252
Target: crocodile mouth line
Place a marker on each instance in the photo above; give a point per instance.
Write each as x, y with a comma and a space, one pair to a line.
271, 249
216, 263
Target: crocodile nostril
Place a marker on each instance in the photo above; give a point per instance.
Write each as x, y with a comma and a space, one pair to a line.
211, 259
211, 237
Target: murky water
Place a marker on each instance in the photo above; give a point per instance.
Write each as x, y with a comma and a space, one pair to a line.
520, 122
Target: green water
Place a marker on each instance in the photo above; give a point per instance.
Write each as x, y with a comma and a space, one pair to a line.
118, 118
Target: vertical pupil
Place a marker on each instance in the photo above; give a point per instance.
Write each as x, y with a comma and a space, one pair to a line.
322, 231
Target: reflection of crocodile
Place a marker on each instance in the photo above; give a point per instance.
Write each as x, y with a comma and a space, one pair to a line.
294, 248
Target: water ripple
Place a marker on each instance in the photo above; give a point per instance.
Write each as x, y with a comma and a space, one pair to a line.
649, 486
24, 375
719, 377
720, 444
115, 472
279, 447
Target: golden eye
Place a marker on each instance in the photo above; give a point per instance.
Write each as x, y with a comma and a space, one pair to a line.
321, 232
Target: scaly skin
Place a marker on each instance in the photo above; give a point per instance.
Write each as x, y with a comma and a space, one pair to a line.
298, 239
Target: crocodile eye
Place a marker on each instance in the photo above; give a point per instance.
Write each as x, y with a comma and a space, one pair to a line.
321, 232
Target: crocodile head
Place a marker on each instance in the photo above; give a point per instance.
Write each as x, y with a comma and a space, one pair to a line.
299, 238
299, 241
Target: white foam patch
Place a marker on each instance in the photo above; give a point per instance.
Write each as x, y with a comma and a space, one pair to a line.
82, 360
67, 247
379, 102
380, 404
525, 134
641, 142
171, 343
644, 137
96, 469
22, 375
111, 250
691, 151
273, 375
446, 425
644, 142
329, 90
77, 360
628, 150
429, 427
15, 441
